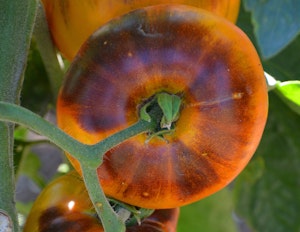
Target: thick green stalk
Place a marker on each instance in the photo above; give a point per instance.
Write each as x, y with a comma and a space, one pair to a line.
16, 24
7, 186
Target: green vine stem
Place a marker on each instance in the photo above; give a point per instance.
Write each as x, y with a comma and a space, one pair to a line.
110, 220
86, 154
16, 24
48, 51
89, 156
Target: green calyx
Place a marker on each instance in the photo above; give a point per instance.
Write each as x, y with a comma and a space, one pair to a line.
164, 110
130, 214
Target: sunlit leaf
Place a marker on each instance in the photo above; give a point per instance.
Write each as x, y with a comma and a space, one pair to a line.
289, 91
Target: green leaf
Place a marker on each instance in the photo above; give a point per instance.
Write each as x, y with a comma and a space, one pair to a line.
285, 66
289, 91
212, 214
267, 193
170, 105
276, 23
20, 132
144, 114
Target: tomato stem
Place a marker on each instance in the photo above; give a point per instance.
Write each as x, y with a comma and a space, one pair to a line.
98, 150
44, 42
20, 115
110, 220
89, 156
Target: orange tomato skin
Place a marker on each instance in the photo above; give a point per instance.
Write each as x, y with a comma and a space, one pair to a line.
51, 211
71, 22
181, 50
163, 220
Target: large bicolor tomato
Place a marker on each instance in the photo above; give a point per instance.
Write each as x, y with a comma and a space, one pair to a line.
64, 206
204, 59
73, 21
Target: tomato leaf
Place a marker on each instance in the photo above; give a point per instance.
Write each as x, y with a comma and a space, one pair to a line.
267, 193
285, 66
170, 105
144, 114
289, 91
276, 23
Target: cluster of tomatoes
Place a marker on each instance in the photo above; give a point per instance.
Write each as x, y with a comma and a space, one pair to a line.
178, 48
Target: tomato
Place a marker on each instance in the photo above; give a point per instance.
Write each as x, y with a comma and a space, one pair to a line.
54, 202
208, 62
71, 22
163, 220
64, 206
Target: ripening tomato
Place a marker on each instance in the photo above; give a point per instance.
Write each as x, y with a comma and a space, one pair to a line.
64, 206
180, 50
65, 199
71, 22
162, 220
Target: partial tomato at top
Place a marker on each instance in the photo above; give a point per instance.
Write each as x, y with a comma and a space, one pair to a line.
208, 63
64, 206
71, 22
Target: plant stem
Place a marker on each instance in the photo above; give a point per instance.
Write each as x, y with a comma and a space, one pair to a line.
17, 114
106, 144
7, 181
86, 154
48, 52
89, 156
16, 22
109, 219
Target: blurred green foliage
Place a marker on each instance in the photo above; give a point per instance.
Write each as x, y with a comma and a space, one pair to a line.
267, 193
36, 93
212, 214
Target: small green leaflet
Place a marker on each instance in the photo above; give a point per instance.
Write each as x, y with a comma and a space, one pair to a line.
289, 91
170, 105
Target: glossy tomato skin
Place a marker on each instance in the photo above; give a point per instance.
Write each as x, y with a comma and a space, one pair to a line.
180, 50
51, 211
164, 220
71, 22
